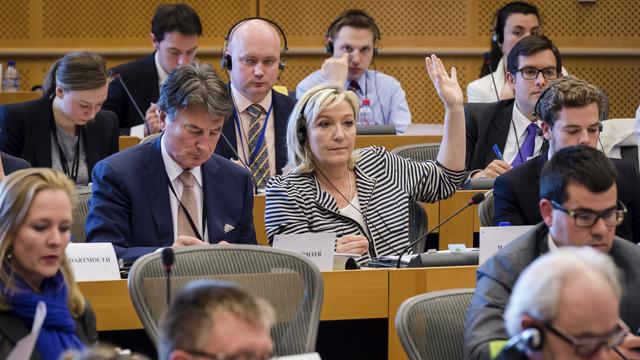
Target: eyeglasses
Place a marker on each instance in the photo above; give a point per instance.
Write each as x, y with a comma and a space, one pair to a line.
587, 218
531, 73
242, 356
590, 346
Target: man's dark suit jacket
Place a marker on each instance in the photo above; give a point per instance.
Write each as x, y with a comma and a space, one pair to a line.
130, 205
282, 107
516, 196
487, 125
496, 278
25, 131
141, 78
11, 163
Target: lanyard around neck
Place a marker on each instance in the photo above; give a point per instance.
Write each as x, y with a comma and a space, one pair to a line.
73, 172
192, 223
261, 137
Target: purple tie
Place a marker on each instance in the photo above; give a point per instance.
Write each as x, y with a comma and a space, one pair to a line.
526, 149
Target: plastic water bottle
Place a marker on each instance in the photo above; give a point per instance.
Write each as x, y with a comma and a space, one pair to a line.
366, 115
11, 78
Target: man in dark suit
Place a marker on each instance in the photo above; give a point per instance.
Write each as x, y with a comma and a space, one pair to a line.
579, 207
175, 29
174, 191
571, 112
254, 134
510, 125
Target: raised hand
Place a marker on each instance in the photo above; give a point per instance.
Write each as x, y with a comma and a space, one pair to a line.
447, 86
336, 70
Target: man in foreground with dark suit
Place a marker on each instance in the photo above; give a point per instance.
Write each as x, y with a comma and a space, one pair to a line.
510, 125
175, 29
174, 191
255, 130
571, 112
579, 207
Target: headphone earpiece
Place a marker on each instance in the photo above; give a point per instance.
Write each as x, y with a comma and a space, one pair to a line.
532, 338
329, 47
302, 130
494, 37
225, 62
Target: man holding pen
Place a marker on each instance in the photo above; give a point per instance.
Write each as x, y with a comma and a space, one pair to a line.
505, 134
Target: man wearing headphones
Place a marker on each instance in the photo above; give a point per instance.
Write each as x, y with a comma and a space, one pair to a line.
175, 29
351, 41
505, 134
254, 134
570, 312
579, 207
571, 111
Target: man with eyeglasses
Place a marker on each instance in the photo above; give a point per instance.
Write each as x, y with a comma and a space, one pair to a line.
505, 134
216, 320
579, 207
571, 111
571, 312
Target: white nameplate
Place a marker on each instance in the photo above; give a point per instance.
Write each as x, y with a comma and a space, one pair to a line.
309, 356
493, 238
318, 247
93, 261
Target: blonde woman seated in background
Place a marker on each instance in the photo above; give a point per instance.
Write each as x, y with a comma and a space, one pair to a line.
363, 196
35, 223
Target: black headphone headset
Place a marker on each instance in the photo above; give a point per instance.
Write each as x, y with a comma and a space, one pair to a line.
225, 61
301, 121
352, 14
532, 338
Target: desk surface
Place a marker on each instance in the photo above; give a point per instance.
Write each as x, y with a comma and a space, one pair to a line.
348, 295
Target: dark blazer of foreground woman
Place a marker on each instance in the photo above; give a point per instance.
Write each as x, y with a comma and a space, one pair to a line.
25, 132
12, 329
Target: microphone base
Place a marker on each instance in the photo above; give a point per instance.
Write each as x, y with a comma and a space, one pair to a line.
445, 259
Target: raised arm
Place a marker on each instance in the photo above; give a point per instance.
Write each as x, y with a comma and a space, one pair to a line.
453, 146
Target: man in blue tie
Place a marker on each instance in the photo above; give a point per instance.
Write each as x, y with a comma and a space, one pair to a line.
511, 126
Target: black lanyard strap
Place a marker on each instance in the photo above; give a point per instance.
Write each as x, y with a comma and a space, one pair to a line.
73, 173
186, 212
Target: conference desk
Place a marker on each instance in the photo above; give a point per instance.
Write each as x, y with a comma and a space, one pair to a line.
348, 295
10, 97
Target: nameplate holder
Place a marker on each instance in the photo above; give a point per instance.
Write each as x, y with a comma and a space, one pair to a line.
93, 261
318, 247
494, 238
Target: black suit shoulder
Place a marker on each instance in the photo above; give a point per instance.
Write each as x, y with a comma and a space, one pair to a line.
486, 124
629, 195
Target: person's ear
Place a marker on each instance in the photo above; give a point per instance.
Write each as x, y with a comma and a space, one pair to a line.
546, 210
162, 117
546, 130
154, 41
59, 92
179, 355
511, 80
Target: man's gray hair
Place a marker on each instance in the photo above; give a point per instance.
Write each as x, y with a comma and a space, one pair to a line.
194, 84
537, 290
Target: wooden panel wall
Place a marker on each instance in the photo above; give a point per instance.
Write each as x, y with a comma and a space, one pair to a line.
36, 32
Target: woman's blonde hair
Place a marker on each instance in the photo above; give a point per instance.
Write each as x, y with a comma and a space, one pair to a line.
17, 192
306, 111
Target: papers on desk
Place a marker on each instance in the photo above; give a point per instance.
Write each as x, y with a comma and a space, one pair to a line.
138, 131
309, 356
25, 346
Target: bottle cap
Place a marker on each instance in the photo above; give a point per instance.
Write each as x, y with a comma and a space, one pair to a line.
366, 102
11, 63
504, 223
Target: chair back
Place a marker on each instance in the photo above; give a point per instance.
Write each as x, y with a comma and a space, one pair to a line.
418, 152
81, 196
287, 280
418, 223
431, 326
486, 209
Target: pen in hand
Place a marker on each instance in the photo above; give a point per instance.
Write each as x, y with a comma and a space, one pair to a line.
496, 150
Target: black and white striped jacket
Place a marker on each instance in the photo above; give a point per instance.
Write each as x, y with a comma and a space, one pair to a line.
386, 183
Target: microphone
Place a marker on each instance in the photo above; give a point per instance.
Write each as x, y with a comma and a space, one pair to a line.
167, 261
253, 179
477, 198
487, 61
527, 339
117, 76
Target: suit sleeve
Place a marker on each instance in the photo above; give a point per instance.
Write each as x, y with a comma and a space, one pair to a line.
472, 135
506, 204
248, 231
284, 209
484, 322
12, 132
110, 213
